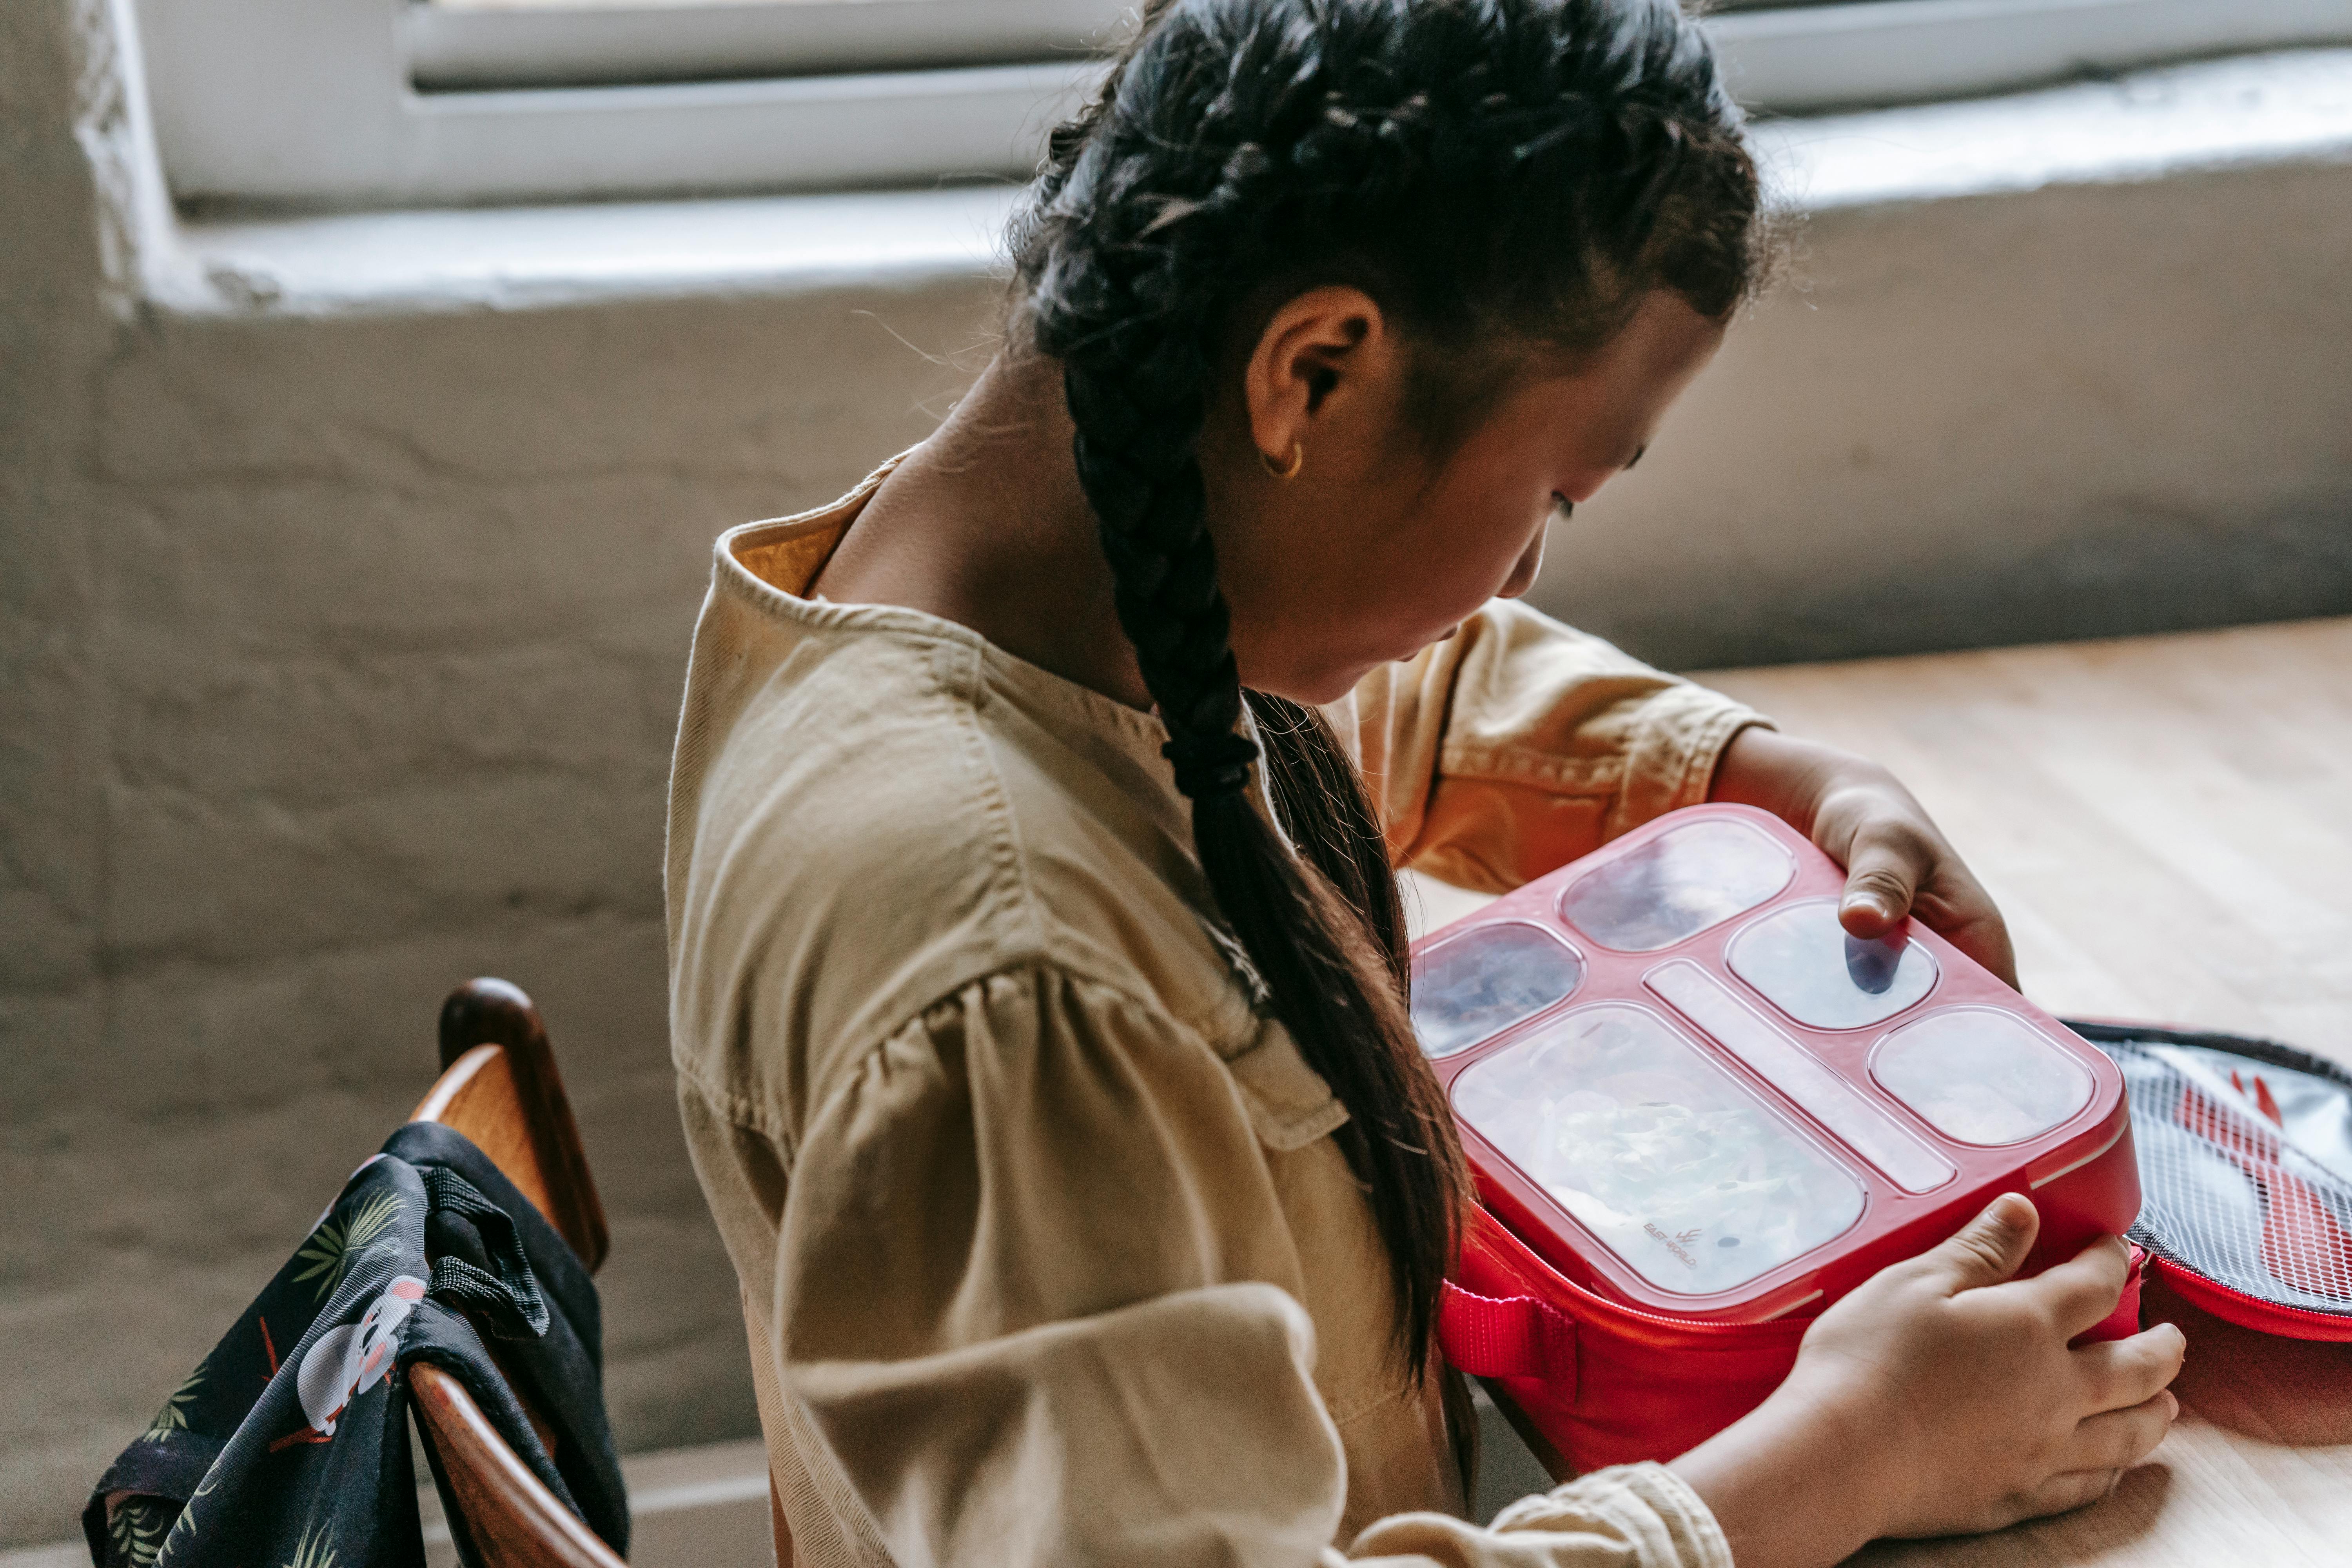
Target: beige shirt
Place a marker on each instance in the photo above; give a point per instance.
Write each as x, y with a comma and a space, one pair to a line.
1048, 1254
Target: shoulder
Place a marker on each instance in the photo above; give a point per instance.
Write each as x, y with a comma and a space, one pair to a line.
882, 822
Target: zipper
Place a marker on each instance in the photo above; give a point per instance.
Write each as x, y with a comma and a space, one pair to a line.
2256, 1310
2339, 1321
1516, 1269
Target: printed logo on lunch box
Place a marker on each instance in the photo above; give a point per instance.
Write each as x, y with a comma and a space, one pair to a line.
1678, 1243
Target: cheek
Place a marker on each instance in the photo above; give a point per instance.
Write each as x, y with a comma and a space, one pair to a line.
1471, 552
1307, 623
1317, 601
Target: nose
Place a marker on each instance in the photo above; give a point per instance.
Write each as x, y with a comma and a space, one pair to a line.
1530, 563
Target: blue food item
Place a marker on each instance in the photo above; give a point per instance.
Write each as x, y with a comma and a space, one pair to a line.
1473, 987
1676, 885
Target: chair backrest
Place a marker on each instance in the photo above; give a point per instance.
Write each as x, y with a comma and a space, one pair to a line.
498, 1087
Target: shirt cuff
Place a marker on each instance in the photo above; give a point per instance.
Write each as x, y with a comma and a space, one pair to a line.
1649, 1506
1670, 761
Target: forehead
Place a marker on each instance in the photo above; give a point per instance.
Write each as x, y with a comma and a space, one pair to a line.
1629, 380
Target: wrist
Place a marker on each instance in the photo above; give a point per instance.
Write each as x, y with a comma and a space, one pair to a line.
1796, 1483
1771, 772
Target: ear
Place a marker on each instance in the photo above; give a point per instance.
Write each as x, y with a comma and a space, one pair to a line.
1324, 356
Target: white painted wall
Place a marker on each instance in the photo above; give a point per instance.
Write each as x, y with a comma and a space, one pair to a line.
2074, 412
340, 644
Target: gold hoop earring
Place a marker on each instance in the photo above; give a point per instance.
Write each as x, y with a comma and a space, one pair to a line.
1286, 470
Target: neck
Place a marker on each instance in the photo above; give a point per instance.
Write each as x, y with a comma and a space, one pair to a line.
985, 524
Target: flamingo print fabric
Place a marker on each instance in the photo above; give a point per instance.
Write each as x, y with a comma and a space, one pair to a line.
288, 1447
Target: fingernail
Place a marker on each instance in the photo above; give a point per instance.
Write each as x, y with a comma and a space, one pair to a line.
1866, 903
2002, 1212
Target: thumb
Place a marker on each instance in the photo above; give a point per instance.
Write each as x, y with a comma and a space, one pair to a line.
1991, 1247
1881, 875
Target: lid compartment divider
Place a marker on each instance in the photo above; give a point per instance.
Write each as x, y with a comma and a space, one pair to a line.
1792, 1070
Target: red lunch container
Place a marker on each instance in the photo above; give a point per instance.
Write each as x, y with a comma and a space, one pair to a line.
1699, 1112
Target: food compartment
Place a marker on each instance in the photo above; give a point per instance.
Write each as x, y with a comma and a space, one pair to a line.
1980, 1075
1788, 1067
1803, 962
1661, 1153
1676, 885
1473, 987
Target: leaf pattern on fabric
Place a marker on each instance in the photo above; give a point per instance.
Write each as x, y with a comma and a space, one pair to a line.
135, 1532
173, 1417
186, 1522
313, 1549
239, 1474
336, 1242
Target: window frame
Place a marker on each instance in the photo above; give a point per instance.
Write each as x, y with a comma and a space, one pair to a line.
905, 92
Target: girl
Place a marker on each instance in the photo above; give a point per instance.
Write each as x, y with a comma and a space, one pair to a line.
1036, 961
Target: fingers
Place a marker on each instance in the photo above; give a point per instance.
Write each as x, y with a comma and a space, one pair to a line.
2122, 1373
2082, 1291
2096, 1457
2118, 1439
1956, 909
1991, 1247
2062, 1494
2101, 1449
1897, 863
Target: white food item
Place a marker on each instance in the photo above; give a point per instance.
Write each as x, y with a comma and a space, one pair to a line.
1658, 1152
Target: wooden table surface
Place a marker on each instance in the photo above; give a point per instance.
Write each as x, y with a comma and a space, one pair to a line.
2166, 824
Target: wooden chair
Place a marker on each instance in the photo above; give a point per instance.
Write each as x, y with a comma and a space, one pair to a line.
498, 1087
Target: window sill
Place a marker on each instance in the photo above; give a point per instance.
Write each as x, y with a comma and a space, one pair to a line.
2287, 107
518, 257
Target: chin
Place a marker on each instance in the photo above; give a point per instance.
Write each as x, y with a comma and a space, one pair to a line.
1336, 687
1315, 687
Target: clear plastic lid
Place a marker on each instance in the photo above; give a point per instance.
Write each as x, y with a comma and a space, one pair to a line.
1473, 987
1677, 885
1657, 1150
1788, 1067
1806, 965
1979, 1074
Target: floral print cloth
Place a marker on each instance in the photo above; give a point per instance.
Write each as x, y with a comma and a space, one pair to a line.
288, 1448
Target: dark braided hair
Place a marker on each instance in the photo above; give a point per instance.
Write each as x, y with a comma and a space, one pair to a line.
1504, 177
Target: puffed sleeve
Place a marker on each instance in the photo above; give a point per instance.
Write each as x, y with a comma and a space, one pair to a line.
1033, 1301
1520, 743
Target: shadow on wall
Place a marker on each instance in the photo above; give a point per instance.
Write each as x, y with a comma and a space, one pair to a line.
2069, 413
2150, 571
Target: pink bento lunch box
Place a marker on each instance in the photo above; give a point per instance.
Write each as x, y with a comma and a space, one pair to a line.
1683, 1085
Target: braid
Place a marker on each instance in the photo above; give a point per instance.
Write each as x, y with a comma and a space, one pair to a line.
1491, 170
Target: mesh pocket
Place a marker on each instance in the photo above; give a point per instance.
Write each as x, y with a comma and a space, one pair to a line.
2245, 1163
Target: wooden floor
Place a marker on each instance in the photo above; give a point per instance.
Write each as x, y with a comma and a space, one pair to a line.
2167, 823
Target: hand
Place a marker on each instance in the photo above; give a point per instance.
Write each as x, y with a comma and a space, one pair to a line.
1896, 861
1940, 1397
